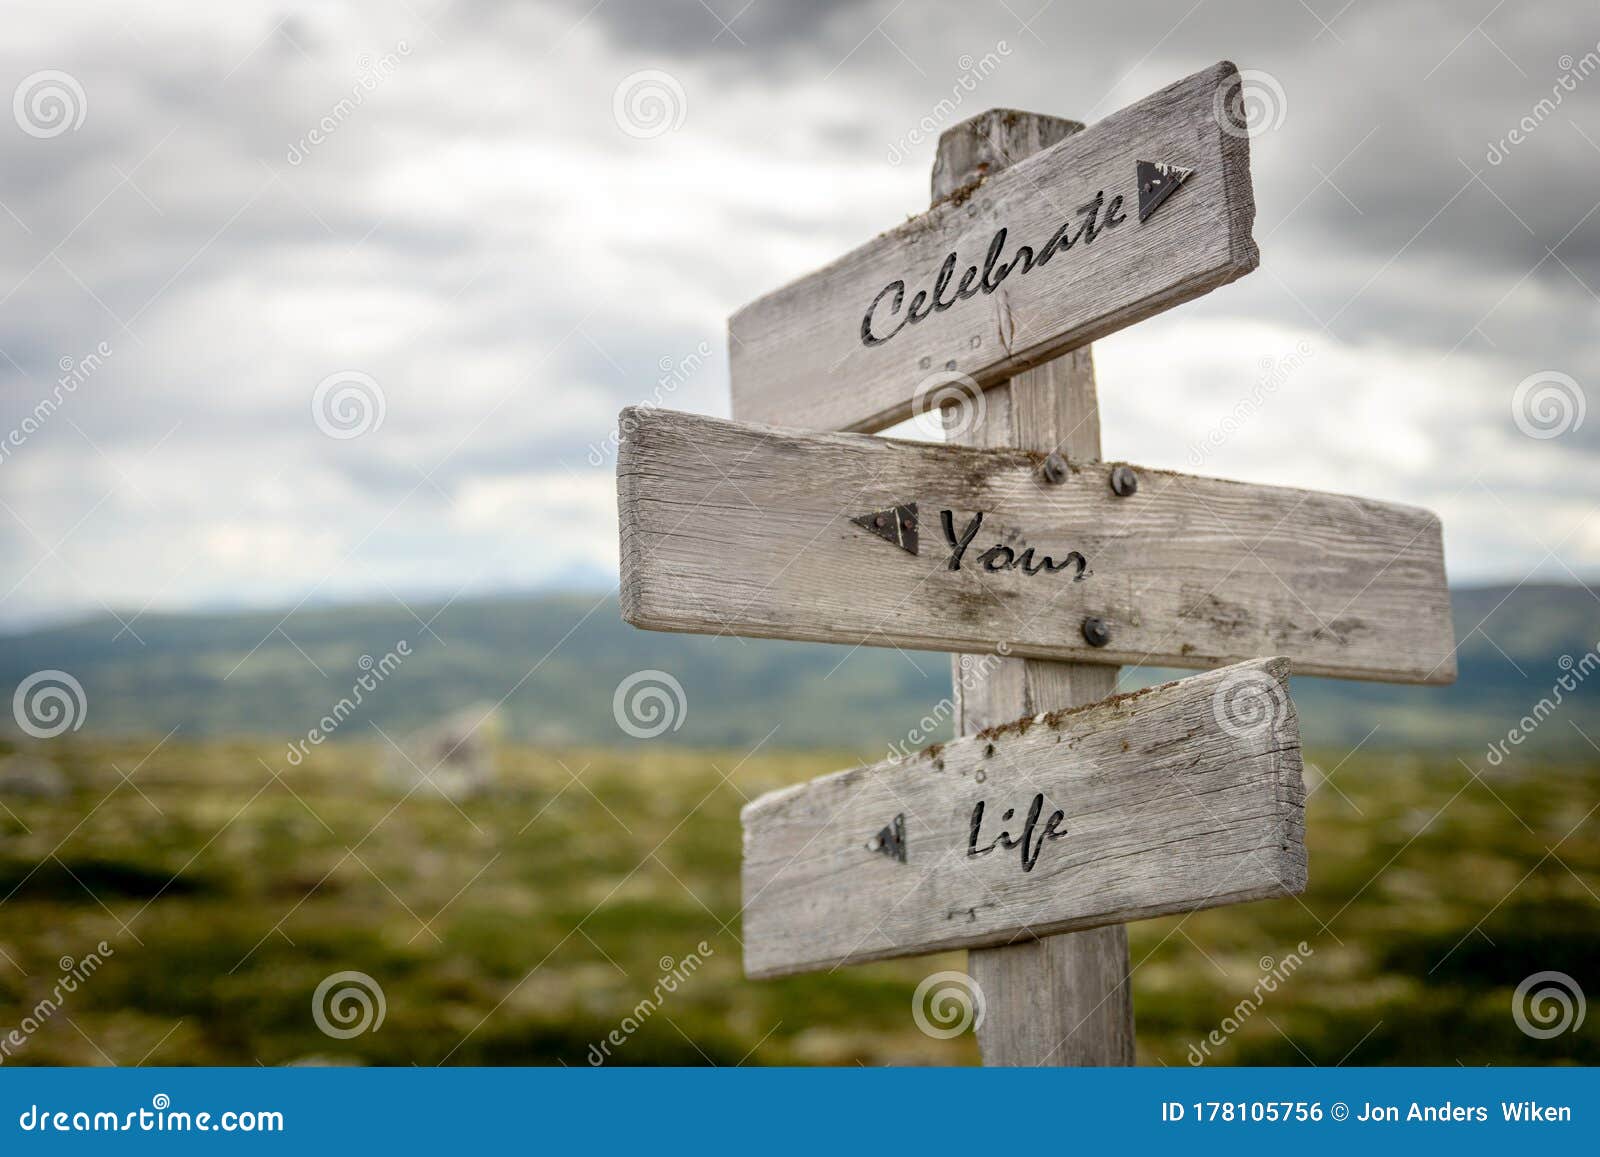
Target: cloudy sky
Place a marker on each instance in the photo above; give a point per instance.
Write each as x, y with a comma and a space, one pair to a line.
348, 295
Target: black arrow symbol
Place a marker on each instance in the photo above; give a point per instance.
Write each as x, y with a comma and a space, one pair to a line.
891, 839
898, 525
1157, 182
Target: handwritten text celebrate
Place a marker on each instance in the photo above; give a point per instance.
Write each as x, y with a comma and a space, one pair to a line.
881, 322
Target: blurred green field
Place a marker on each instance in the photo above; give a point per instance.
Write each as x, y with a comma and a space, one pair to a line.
523, 926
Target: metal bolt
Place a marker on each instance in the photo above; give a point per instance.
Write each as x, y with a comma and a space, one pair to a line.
1055, 468
1096, 631
1123, 481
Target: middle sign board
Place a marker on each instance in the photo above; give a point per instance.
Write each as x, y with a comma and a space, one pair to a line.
733, 528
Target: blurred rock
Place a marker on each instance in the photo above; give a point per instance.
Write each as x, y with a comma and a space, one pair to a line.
30, 777
456, 755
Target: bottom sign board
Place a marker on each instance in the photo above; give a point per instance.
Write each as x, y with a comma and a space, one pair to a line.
1178, 797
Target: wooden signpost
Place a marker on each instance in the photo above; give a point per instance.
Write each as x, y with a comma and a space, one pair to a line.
1063, 810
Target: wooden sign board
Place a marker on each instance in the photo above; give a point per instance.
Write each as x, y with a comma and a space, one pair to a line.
846, 538
1183, 796
1146, 209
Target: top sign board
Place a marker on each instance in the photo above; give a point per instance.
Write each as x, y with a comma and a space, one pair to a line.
1146, 209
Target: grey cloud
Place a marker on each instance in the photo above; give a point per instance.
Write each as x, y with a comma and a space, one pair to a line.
749, 35
482, 238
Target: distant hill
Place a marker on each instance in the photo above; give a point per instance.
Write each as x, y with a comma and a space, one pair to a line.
562, 657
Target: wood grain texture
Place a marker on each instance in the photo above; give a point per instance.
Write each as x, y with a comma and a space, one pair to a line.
798, 357
728, 527
1184, 796
1064, 999
981, 146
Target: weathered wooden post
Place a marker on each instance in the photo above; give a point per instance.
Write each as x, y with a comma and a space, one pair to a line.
1061, 1000
1064, 811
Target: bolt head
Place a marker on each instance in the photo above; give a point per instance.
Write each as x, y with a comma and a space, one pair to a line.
1123, 481
1055, 468
1096, 631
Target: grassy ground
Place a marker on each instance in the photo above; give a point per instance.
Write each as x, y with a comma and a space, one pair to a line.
524, 926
